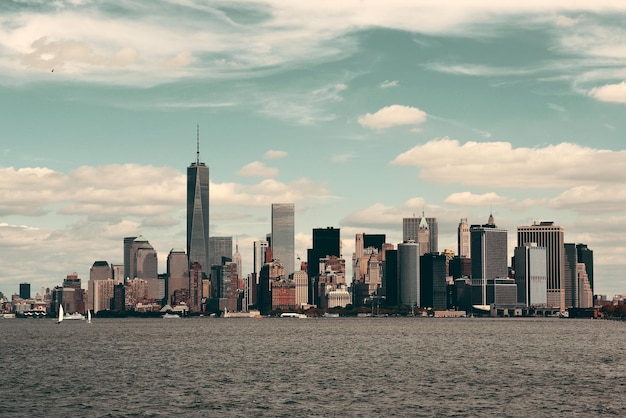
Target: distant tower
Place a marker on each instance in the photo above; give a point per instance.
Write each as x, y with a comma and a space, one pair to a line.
25, 290
422, 230
128, 243
409, 274
220, 247
326, 242
423, 236
198, 211
283, 235
177, 273
237, 260
585, 256
489, 257
531, 274
464, 239
550, 236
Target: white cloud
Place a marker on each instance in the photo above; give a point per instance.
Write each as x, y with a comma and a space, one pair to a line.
388, 84
275, 154
499, 164
394, 115
134, 46
481, 200
614, 93
257, 169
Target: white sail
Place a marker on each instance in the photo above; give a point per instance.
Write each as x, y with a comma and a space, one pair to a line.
61, 314
89, 316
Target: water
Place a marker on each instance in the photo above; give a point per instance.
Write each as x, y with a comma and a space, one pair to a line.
313, 367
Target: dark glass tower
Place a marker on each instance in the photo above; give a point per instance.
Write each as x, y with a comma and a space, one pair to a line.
198, 212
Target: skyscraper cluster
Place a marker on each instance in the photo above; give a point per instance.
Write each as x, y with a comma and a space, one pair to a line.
208, 276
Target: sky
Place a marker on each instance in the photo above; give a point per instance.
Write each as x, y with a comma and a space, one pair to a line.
359, 112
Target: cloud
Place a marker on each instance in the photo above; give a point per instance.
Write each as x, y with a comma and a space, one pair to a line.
481, 200
257, 169
132, 44
394, 115
613, 93
499, 164
275, 154
182, 59
389, 84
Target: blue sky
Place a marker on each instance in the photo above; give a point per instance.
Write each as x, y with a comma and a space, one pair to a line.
359, 112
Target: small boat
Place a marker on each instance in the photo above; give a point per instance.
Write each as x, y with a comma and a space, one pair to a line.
170, 316
61, 315
292, 315
330, 315
73, 316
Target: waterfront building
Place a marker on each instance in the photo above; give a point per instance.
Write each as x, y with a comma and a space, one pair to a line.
220, 247
390, 276
409, 274
326, 242
117, 272
501, 291
547, 234
301, 281
422, 230
177, 272
100, 270
25, 291
128, 244
194, 295
144, 265
237, 260
198, 211
463, 239
101, 294
585, 256
489, 257
433, 291
531, 274
332, 274
460, 267
283, 235
577, 283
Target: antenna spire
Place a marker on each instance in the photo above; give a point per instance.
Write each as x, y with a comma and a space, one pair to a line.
198, 144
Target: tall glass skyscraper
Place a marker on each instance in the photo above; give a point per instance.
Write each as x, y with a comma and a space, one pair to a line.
547, 234
283, 235
198, 212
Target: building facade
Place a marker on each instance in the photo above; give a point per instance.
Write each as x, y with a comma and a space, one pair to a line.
489, 256
283, 235
198, 212
409, 274
550, 236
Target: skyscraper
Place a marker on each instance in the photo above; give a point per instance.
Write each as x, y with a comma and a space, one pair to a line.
198, 212
409, 274
326, 242
550, 236
220, 247
489, 257
422, 230
128, 244
283, 235
25, 290
464, 239
531, 274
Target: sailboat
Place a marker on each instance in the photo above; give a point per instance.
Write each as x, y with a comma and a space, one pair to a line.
89, 316
61, 315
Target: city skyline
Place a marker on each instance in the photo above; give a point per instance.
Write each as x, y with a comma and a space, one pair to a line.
359, 115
